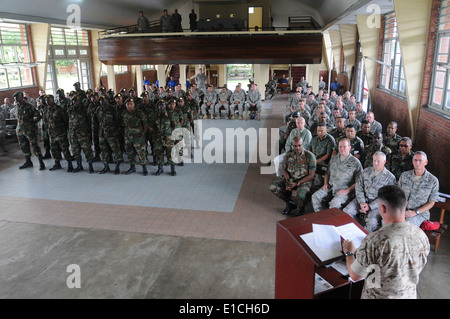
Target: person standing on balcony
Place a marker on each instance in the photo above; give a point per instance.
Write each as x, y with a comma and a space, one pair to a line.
143, 25
166, 22
193, 20
176, 20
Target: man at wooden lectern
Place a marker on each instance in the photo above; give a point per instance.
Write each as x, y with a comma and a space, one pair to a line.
391, 258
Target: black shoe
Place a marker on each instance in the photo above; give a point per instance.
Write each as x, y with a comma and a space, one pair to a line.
172, 170
160, 170
289, 206
56, 166
105, 168
144, 170
79, 166
41, 164
91, 167
117, 169
131, 170
28, 163
69, 167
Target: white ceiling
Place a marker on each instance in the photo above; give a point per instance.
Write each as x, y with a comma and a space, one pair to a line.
111, 13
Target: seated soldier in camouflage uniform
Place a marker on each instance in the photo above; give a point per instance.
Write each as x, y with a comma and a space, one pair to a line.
209, 101
108, 122
391, 139
237, 100
364, 134
135, 123
364, 208
401, 160
339, 180
299, 171
322, 146
57, 122
377, 145
222, 100
421, 189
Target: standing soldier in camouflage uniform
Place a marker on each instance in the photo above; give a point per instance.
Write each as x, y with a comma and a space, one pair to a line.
41, 107
340, 179
222, 100
80, 131
177, 119
401, 160
162, 141
120, 108
135, 123
299, 170
200, 80
148, 108
377, 145
27, 117
237, 99
93, 105
108, 124
57, 121
209, 100
253, 100
195, 110
187, 123
421, 189
364, 208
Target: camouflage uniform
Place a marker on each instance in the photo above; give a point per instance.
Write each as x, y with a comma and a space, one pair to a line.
253, 97
80, 129
3, 131
367, 139
369, 151
94, 128
186, 125
108, 123
222, 100
57, 121
321, 147
342, 173
399, 268
194, 106
44, 129
177, 120
26, 130
298, 166
337, 134
135, 123
366, 191
162, 142
305, 134
210, 97
356, 124
419, 191
392, 142
361, 116
357, 146
398, 164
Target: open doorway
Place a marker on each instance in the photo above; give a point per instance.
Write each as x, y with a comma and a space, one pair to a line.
239, 73
255, 18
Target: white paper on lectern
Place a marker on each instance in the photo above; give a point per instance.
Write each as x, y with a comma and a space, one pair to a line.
352, 232
322, 253
326, 236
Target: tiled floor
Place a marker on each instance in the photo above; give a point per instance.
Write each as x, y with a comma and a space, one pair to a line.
209, 232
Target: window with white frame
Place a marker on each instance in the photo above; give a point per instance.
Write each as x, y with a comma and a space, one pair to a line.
440, 87
15, 68
392, 76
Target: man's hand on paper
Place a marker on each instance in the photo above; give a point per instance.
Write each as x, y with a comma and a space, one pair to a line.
347, 245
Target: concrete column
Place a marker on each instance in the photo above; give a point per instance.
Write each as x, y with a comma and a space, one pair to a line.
349, 38
413, 19
111, 77
96, 63
261, 76
161, 74
369, 36
182, 80
312, 76
40, 37
222, 75
139, 80
336, 44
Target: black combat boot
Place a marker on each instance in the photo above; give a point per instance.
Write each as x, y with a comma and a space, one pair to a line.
300, 209
117, 169
172, 170
91, 167
105, 168
160, 170
47, 152
132, 169
144, 170
79, 166
56, 166
69, 167
41, 163
289, 204
28, 163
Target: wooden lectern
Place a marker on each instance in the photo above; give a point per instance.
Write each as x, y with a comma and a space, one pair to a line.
296, 263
